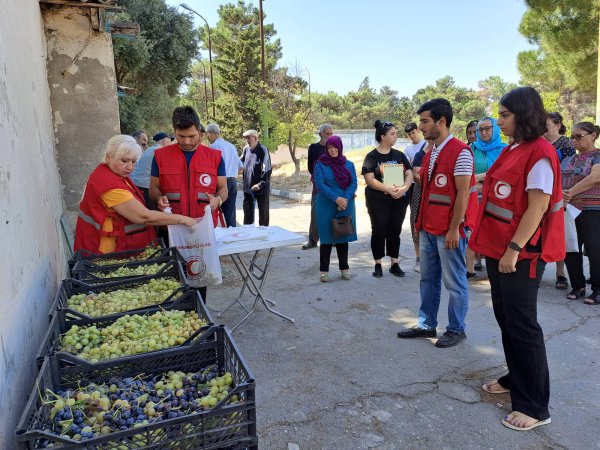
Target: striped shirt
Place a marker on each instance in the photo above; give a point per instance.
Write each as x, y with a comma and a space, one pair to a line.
464, 163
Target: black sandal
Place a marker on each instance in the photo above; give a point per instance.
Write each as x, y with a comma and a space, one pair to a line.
561, 283
576, 294
593, 298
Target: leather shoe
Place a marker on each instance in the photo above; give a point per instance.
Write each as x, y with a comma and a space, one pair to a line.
309, 245
450, 339
416, 332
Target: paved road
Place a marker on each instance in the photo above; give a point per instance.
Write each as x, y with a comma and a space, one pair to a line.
339, 378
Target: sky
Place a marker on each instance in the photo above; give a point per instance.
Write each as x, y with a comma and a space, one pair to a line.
404, 44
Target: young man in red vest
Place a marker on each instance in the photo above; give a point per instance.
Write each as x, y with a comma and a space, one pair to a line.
447, 203
187, 175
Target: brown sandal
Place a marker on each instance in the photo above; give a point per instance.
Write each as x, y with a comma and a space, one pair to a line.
487, 387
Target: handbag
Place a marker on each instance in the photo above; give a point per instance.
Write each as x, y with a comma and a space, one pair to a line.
342, 226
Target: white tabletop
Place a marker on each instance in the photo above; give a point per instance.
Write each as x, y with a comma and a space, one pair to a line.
277, 237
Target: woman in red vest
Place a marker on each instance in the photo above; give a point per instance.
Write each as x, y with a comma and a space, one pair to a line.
519, 228
112, 215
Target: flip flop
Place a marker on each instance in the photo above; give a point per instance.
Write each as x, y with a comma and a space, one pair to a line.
486, 388
539, 423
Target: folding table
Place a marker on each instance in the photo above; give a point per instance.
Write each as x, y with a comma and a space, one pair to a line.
253, 274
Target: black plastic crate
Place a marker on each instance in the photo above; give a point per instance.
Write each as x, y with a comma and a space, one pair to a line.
70, 287
93, 274
224, 426
186, 301
85, 255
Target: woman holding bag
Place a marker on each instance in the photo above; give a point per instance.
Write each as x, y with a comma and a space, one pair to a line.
112, 213
335, 180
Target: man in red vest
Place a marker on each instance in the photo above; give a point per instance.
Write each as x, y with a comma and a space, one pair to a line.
446, 207
187, 175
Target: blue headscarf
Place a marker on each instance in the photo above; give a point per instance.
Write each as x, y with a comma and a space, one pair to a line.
493, 148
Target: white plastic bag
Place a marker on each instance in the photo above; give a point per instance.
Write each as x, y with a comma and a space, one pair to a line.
571, 242
198, 246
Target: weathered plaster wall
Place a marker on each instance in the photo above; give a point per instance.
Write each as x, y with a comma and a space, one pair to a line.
32, 252
81, 76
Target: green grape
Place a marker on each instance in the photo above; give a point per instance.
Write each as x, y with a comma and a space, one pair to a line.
100, 304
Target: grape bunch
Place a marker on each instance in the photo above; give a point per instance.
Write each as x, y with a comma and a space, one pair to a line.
124, 403
146, 269
145, 254
131, 335
100, 304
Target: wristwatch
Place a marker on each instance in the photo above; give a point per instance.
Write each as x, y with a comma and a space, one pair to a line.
514, 246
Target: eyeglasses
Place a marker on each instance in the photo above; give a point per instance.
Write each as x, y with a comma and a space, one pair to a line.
576, 137
484, 129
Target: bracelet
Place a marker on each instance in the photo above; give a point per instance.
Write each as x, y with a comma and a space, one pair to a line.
514, 246
220, 200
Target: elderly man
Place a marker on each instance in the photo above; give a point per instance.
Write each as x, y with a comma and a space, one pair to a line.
141, 173
257, 176
233, 165
314, 152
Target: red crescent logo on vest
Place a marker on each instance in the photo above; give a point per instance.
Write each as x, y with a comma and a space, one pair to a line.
502, 190
205, 179
441, 180
195, 267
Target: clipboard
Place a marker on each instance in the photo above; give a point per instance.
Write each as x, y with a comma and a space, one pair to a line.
393, 174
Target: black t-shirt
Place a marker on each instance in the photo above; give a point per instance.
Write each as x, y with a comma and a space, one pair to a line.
374, 160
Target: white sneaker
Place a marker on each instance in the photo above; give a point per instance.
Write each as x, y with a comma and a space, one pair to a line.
418, 267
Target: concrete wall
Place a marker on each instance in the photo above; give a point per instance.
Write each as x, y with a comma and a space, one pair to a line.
32, 252
81, 76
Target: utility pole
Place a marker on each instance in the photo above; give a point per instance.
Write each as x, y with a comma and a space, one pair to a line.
205, 88
262, 41
598, 78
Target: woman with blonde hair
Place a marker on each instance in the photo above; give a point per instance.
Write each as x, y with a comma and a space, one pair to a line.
112, 216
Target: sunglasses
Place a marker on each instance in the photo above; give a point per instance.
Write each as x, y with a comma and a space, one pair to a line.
484, 129
578, 136
387, 124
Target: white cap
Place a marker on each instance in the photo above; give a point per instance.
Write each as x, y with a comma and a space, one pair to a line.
250, 133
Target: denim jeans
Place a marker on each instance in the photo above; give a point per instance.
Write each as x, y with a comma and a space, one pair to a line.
438, 263
228, 206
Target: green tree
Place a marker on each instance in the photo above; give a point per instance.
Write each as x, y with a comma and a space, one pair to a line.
467, 104
236, 59
155, 63
566, 34
291, 106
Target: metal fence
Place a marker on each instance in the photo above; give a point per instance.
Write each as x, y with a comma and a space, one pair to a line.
353, 139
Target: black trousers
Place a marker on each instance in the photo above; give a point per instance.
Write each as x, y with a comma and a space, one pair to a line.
325, 254
514, 298
263, 209
387, 216
587, 224
313, 230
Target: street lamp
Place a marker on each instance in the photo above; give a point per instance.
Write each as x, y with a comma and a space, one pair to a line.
212, 82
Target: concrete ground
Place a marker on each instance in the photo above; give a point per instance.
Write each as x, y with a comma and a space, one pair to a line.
339, 378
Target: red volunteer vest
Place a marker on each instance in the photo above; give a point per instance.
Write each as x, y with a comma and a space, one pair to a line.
438, 195
93, 213
505, 201
186, 188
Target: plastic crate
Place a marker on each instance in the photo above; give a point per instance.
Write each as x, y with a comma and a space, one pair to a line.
70, 287
81, 255
93, 274
222, 427
187, 301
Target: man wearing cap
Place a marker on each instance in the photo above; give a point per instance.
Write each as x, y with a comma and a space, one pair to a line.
141, 172
233, 165
257, 175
